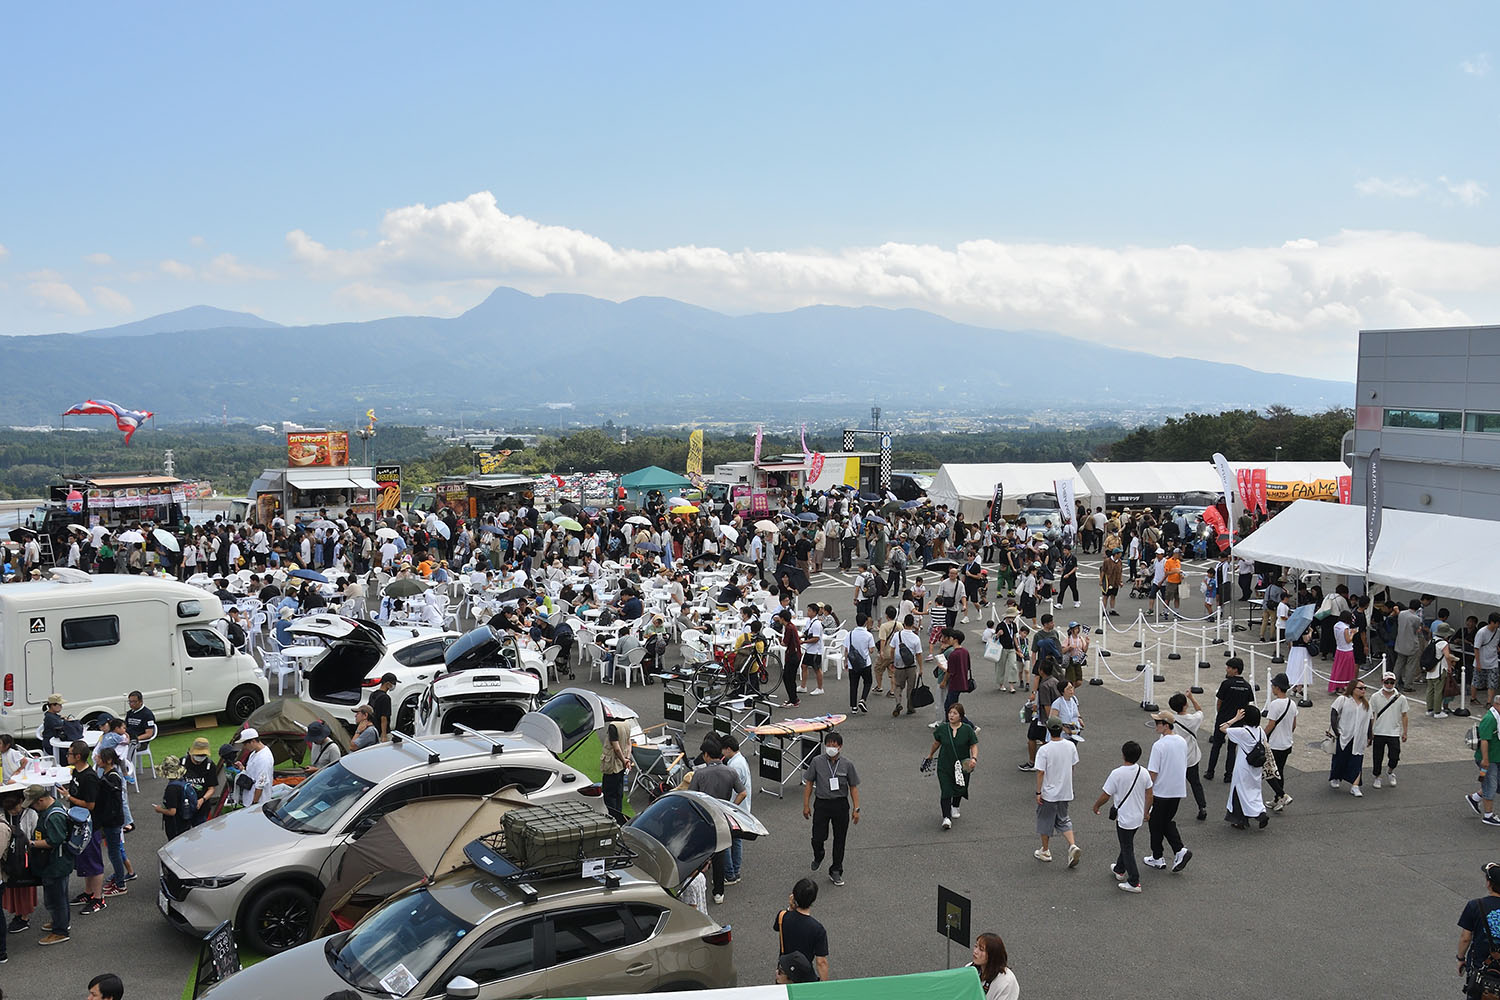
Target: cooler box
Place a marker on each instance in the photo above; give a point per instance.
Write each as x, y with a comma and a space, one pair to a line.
557, 833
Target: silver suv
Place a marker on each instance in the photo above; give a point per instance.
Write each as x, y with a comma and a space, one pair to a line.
265, 867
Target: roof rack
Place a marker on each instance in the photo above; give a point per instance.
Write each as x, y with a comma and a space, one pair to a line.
433, 757
487, 853
464, 732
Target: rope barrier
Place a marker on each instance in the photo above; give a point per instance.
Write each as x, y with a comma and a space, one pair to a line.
1162, 605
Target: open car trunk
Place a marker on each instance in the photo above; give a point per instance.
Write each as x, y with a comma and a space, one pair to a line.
678, 834
354, 648
483, 713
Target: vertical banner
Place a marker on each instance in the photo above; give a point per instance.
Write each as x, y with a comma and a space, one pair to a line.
805, 452
388, 479
1258, 491
1373, 506
995, 503
1067, 509
758, 432
695, 454
1346, 488
815, 467
1231, 497
1242, 488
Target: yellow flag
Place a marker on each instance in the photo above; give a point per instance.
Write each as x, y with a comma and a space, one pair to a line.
695, 454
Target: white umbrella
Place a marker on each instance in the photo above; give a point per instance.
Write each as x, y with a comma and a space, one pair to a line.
678, 502
442, 529
730, 533
200, 580
166, 540
131, 537
386, 533
323, 523
764, 525
78, 528
638, 519
68, 574
98, 531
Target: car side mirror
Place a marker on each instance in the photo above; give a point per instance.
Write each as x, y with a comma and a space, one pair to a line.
461, 988
364, 826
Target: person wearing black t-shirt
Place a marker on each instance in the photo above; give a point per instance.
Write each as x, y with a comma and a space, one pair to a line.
1234, 694
380, 706
800, 931
140, 723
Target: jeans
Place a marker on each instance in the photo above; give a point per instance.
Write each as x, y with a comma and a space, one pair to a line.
1384, 745
835, 813
55, 898
856, 675
114, 850
1163, 826
1196, 784
614, 796
1126, 861
735, 859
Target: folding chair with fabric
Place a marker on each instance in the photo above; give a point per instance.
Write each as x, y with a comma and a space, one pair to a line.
659, 768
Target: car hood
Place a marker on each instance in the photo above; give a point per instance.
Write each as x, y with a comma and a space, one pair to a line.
336, 628
302, 971
227, 844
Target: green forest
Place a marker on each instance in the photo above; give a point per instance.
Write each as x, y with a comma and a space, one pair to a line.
230, 457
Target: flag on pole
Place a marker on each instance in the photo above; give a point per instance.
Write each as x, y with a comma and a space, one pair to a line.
126, 420
1231, 496
758, 433
695, 454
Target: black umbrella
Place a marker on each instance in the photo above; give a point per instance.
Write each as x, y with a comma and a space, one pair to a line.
570, 508
869, 497
794, 576
513, 594
807, 517
21, 534
941, 565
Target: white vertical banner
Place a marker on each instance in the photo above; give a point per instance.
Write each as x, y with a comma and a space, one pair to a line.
1232, 500
1063, 489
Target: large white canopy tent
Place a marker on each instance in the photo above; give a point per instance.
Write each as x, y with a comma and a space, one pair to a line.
1150, 484
1437, 554
1296, 472
969, 487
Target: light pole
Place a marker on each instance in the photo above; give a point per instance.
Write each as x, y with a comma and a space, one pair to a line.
365, 434
1278, 453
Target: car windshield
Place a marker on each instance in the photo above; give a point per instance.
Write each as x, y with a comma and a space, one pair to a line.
320, 801
397, 945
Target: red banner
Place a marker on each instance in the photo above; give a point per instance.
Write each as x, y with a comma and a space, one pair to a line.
1242, 487
815, 468
1215, 520
1258, 487
1346, 489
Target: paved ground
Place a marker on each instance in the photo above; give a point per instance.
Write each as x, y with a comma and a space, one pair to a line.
1339, 897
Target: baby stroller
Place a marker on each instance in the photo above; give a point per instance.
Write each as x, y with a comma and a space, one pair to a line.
1140, 589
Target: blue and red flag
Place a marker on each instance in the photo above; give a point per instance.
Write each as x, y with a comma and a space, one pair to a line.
125, 420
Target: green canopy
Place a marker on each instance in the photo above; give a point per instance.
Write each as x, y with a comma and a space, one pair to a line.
653, 477
950, 984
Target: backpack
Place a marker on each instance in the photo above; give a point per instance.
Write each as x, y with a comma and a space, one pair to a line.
857, 658
18, 860
80, 831
1047, 648
1429, 659
908, 658
1256, 755
72, 729
189, 806
881, 590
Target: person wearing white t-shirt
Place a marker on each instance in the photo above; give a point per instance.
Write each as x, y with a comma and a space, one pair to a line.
1130, 787
1187, 726
1054, 765
1388, 725
1168, 767
1279, 720
812, 651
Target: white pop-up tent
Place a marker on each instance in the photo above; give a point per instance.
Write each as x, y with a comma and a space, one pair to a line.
1149, 484
1437, 554
969, 488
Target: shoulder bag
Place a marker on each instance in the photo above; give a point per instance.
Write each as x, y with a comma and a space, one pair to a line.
1115, 813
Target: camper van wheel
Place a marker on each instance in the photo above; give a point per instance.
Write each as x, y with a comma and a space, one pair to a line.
243, 700
95, 720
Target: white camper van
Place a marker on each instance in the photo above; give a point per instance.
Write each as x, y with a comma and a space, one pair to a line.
94, 641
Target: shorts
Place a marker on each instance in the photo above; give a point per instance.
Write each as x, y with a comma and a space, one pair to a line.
91, 858
1491, 783
1170, 591
1036, 733
1111, 591
1487, 680
812, 661
1052, 818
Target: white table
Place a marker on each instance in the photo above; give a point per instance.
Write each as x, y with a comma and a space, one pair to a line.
61, 746
46, 777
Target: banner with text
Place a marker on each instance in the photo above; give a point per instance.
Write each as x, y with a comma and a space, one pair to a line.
1374, 501
388, 479
695, 454
1066, 508
304, 448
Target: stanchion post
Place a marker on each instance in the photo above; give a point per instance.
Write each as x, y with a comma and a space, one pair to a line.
1252, 671
1197, 687
1099, 655
1155, 664
1140, 642
1174, 655
1462, 711
1148, 699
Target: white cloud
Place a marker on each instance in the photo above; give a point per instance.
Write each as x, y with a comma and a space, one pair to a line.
1470, 192
113, 300
176, 268
1392, 187
59, 296
228, 267
197, 241
4, 251
99, 259
1478, 66
1287, 307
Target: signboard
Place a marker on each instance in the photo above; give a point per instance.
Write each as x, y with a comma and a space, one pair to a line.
308, 448
760, 503
695, 454
673, 706
995, 503
490, 461
770, 760
218, 958
1318, 489
1346, 489
953, 916
388, 479
454, 496
1373, 501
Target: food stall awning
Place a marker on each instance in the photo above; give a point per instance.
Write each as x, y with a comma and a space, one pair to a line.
321, 480
127, 482
361, 482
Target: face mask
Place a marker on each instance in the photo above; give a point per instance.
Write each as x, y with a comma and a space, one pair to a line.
831, 751
198, 758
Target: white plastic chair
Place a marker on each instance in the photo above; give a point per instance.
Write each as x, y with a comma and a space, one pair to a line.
278, 666
834, 652
549, 663
141, 754
694, 645
596, 653
632, 660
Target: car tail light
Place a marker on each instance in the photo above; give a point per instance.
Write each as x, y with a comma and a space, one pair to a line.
10, 690
370, 682
719, 937
592, 791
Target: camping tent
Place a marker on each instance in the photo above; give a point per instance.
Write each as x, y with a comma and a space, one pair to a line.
639, 483
968, 488
1422, 553
1147, 484
947, 984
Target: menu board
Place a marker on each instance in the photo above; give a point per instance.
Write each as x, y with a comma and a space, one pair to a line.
309, 448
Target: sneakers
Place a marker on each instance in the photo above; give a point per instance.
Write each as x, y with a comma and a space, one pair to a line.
1077, 604
1127, 887
801, 689
1490, 819
816, 691
18, 924
54, 939
1119, 875
1041, 855
965, 619
110, 889
731, 880
1078, 739
791, 704
817, 863
895, 711
947, 823
1354, 791
1472, 799
94, 906
1390, 779
836, 879
1074, 854
1180, 861
1203, 813
1377, 781
864, 709
1439, 715
1334, 784
1286, 800
1157, 863
1027, 765
718, 897
82, 899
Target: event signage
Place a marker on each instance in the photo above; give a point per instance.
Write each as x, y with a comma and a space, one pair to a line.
388, 479
1231, 498
1373, 506
758, 434
1258, 490
490, 461
1346, 489
305, 448
995, 503
815, 467
1067, 510
695, 454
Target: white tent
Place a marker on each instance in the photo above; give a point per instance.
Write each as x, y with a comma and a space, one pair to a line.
1437, 554
1296, 472
969, 488
1148, 483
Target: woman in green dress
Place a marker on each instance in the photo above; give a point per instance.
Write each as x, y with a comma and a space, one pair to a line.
956, 746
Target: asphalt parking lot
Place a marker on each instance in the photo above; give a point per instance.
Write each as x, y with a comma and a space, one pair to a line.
1338, 897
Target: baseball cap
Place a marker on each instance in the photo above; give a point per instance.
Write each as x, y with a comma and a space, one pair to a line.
795, 966
55, 699
34, 792
1054, 724
247, 735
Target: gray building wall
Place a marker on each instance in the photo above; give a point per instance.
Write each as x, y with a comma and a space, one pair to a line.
1454, 369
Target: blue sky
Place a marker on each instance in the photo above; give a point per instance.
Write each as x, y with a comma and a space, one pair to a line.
1219, 180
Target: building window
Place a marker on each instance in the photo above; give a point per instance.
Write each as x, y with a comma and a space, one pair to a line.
1425, 420
1482, 423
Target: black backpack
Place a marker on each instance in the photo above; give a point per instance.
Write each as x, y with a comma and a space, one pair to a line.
1429, 656
908, 658
1256, 755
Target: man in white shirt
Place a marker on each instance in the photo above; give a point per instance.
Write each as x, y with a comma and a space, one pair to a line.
736, 762
258, 767
1388, 723
1055, 761
860, 661
1168, 767
1130, 786
1158, 573
1279, 720
1187, 725
812, 650
1487, 661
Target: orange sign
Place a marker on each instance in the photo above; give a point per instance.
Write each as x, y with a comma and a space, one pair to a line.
1321, 489
304, 448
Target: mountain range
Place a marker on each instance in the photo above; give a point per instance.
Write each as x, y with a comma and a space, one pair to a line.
650, 359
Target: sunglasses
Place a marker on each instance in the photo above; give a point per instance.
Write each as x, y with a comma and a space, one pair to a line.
1361, 687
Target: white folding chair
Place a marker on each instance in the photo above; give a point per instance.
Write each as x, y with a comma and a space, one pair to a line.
632, 660
834, 652
597, 653
549, 663
278, 666
141, 754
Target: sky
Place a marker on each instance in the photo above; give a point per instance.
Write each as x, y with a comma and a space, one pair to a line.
1236, 182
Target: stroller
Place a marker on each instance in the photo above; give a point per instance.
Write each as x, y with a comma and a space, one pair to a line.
1140, 589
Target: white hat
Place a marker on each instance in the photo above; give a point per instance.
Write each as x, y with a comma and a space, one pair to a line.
246, 735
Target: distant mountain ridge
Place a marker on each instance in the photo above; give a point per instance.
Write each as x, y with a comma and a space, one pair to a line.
514, 351
193, 318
